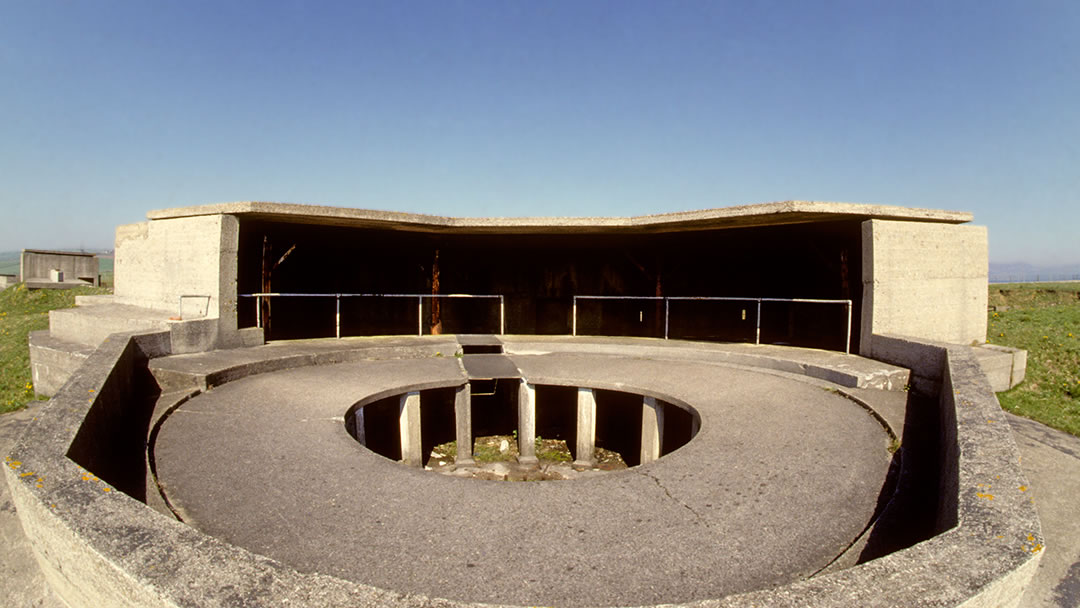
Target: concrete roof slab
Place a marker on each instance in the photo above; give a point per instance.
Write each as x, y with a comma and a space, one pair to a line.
764, 214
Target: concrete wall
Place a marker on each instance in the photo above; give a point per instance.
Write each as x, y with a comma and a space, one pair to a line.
7, 280
35, 264
100, 547
924, 280
159, 261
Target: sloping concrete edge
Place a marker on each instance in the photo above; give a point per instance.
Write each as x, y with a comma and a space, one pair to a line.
97, 546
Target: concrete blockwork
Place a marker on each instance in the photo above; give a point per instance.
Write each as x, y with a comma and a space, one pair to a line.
924, 280
101, 547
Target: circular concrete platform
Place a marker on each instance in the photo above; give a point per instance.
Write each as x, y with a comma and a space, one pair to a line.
783, 476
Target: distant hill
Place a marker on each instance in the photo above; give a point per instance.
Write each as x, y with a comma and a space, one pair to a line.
1023, 272
9, 262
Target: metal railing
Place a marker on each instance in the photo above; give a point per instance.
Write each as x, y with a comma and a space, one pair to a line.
180, 304
574, 317
757, 329
337, 304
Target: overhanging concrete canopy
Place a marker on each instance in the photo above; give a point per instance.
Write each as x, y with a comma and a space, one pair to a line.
764, 214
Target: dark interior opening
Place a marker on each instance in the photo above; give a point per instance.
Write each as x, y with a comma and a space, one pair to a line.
538, 275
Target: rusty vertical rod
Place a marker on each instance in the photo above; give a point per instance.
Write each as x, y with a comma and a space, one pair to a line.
502, 316
419, 315
337, 316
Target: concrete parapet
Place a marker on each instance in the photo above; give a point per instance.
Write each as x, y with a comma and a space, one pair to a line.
90, 325
1005, 367
99, 546
924, 280
831, 366
184, 267
93, 300
53, 361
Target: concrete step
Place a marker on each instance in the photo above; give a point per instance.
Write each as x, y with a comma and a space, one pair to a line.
90, 325
52, 361
1004, 367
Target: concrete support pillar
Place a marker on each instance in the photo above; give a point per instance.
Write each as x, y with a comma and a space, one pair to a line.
463, 424
409, 422
526, 423
358, 421
586, 427
652, 429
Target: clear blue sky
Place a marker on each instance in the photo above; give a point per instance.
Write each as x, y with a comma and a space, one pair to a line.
111, 109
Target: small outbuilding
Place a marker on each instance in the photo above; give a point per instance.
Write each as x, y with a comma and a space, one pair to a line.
41, 269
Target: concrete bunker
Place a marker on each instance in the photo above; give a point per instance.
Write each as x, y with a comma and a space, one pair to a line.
912, 272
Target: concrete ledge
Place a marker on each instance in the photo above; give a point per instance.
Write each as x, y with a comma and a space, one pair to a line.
1004, 367
845, 370
98, 546
53, 361
90, 325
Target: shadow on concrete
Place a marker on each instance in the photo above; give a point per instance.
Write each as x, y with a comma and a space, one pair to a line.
911, 516
111, 442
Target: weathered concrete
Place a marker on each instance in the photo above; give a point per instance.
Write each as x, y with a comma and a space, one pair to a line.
586, 428
526, 423
160, 263
91, 325
786, 212
409, 426
652, 429
463, 426
845, 370
927, 281
1051, 460
22, 583
74, 331
126, 554
53, 361
661, 494
1004, 367
7, 280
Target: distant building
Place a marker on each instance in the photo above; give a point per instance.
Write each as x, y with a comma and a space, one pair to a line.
41, 269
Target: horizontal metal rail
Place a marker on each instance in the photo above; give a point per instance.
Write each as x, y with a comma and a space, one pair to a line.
757, 329
502, 306
337, 296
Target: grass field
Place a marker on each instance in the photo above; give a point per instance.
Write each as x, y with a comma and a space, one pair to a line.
1044, 319
21, 312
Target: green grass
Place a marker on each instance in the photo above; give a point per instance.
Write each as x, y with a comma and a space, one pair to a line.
21, 312
1043, 319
